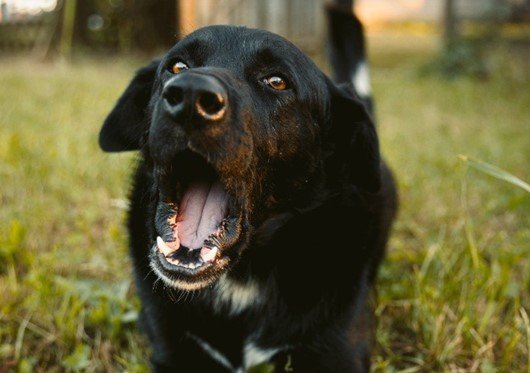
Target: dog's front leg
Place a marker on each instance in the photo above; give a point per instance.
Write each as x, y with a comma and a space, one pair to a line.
173, 348
326, 355
186, 357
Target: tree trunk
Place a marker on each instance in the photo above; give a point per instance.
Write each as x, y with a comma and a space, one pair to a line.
346, 4
67, 31
155, 24
450, 23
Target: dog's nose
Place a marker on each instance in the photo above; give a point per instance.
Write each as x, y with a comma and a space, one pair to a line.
195, 95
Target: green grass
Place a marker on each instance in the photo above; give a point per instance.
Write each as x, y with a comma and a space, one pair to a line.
453, 292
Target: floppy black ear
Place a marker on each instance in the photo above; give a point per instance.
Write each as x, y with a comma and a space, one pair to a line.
352, 135
127, 123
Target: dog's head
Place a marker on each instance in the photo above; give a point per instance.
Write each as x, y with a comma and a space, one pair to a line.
237, 126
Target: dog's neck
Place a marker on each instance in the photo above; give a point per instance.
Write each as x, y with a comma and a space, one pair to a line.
232, 297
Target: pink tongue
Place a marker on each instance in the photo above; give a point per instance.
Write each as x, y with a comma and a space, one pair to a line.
201, 210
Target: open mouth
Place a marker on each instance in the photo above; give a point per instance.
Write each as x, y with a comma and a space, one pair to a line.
198, 222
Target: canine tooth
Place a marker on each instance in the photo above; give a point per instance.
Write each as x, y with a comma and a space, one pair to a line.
166, 248
209, 255
162, 246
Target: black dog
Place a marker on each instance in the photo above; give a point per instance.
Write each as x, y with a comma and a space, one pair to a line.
260, 202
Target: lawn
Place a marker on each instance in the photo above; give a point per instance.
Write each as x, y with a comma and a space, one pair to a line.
453, 292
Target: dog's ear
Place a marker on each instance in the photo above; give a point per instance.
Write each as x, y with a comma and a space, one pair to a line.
127, 123
352, 136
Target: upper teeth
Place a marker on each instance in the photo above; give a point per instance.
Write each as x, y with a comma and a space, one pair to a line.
206, 254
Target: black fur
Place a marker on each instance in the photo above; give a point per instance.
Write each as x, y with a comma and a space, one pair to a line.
317, 205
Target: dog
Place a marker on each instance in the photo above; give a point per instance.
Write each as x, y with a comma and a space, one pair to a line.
260, 207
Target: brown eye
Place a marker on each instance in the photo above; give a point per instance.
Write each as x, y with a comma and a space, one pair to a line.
178, 67
275, 82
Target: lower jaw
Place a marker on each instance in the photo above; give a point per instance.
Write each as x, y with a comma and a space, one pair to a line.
182, 284
182, 278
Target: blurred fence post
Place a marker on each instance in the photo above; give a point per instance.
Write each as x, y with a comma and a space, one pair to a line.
188, 16
450, 25
345, 3
67, 29
4, 12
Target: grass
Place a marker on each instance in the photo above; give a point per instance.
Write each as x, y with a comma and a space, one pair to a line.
453, 292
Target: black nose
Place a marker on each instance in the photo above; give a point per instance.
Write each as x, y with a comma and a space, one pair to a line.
189, 94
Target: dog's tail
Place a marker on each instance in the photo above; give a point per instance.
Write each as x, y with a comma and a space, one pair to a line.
347, 51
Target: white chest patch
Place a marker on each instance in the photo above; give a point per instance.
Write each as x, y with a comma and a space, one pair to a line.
234, 297
361, 80
254, 355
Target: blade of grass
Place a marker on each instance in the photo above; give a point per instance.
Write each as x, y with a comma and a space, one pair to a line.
20, 337
468, 223
495, 172
526, 321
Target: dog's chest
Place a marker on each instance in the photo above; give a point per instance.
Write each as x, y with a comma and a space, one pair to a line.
232, 298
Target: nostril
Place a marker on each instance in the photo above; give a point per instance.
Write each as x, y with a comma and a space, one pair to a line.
174, 95
211, 105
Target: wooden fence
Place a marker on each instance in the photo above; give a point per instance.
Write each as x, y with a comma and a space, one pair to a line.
29, 35
301, 21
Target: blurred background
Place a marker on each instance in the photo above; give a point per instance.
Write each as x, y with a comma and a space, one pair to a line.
451, 81
51, 28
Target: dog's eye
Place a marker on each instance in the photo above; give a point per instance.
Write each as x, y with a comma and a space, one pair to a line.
275, 82
178, 67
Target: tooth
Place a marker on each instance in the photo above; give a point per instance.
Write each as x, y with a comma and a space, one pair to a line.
165, 248
209, 255
162, 246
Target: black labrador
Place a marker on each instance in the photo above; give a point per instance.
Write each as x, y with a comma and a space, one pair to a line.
260, 208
